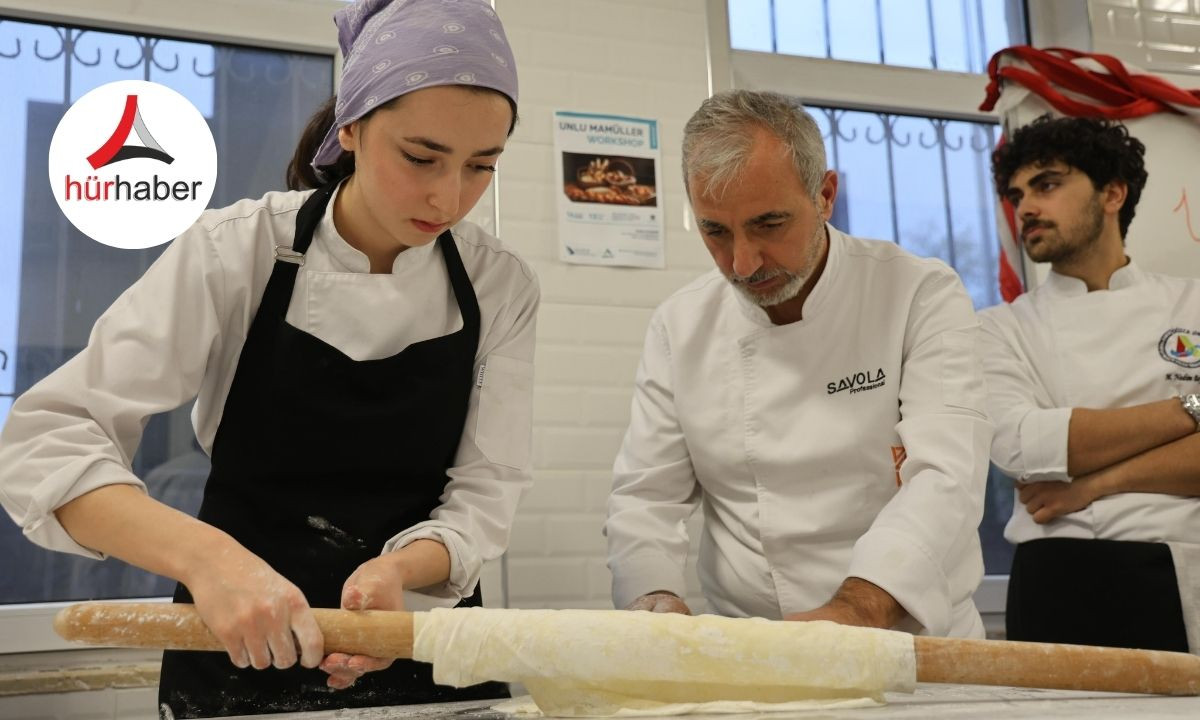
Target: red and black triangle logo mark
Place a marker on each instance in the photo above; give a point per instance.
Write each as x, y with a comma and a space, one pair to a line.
115, 149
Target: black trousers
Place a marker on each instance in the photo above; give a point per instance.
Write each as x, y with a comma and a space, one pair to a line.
1095, 592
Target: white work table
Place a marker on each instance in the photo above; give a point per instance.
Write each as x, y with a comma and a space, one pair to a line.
936, 702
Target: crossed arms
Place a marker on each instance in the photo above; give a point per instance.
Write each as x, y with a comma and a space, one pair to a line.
1148, 448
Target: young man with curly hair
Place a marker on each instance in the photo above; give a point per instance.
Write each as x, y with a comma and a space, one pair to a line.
1092, 382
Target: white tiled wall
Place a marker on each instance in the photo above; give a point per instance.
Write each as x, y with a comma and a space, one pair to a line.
1153, 34
645, 58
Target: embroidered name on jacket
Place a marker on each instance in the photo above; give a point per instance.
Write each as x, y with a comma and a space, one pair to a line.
858, 382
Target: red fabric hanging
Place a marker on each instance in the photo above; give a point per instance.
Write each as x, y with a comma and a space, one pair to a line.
1011, 285
1117, 94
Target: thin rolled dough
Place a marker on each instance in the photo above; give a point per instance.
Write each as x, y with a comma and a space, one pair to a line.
525, 706
610, 662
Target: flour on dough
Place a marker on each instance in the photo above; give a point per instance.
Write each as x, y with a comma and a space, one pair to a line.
525, 706
610, 662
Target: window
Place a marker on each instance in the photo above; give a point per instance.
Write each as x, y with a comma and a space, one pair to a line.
894, 86
880, 157
957, 35
55, 282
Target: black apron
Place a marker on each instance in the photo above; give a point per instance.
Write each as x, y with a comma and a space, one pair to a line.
319, 460
1095, 592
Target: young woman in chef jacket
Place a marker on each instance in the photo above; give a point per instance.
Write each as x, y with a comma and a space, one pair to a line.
361, 364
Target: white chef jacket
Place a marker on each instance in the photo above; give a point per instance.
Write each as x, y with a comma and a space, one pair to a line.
1061, 347
177, 333
789, 438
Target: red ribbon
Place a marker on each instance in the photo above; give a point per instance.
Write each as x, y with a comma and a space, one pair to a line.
1118, 94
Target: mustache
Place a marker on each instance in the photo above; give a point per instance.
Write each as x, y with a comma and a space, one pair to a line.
761, 275
1034, 225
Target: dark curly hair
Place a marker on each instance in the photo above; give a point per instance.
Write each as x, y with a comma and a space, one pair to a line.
1103, 150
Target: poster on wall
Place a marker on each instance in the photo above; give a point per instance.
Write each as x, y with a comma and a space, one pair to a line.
609, 209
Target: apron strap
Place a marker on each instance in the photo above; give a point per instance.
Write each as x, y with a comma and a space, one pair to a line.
310, 215
278, 294
460, 282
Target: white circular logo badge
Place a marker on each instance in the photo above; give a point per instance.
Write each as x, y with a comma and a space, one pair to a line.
132, 164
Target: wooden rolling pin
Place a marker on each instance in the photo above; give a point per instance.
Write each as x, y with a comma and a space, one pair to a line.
382, 633
171, 626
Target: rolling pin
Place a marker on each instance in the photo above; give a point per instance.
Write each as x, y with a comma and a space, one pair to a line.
961, 661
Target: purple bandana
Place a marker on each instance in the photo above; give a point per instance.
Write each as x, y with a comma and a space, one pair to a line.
392, 47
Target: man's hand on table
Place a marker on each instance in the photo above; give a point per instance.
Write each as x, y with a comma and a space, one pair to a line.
660, 601
857, 602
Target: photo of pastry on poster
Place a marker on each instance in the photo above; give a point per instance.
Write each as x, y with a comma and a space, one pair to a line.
609, 174
609, 179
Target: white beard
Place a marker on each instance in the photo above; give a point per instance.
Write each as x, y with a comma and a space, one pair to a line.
795, 281
789, 290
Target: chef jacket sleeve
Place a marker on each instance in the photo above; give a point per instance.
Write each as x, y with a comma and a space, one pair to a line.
654, 485
493, 466
1031, 434
78, 429
922, 548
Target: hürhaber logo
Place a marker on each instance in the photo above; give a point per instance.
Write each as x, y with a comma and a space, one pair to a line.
132, 164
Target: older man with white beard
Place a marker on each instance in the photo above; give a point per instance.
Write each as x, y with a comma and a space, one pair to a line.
817, 395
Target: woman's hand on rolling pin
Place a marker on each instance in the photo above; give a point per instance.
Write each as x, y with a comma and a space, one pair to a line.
259, 615
377, 584
660, 601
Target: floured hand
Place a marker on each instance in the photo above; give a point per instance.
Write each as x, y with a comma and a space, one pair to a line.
376, 585
660, 601
262, 619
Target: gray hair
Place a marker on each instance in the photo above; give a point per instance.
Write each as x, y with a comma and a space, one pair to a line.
718, 137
